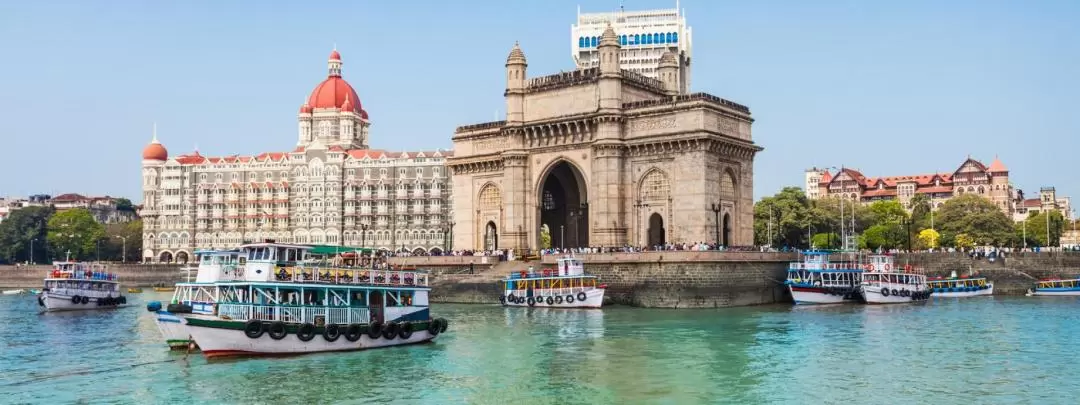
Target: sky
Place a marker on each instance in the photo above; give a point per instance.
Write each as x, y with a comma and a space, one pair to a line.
889, 88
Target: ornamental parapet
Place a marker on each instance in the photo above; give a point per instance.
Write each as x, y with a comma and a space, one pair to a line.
688, 97
642, 81
563, 79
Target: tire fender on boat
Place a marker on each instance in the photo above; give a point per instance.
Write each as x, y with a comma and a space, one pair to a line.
894, 292
85, 300
331, 332
502, 299
253, 329
353, 332
305, 332
511, 298
569, 299
532, 301
581, 296
443, 324
433, 327
40, 301
550, 300
277, 330
884, 292
75, 299
390, 331
904, 293
405, 331
558, 299
374, 329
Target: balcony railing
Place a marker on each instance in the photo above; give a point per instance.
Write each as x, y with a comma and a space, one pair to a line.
294, 314
338, 275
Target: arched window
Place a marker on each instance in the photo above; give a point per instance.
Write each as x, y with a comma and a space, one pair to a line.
982, 190
727, 186
637, 39
659, 37
581, 42
648, 39
622, 40
490, 198
592, 41
675, 37
654, 186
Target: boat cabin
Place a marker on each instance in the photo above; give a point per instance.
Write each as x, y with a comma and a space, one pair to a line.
818, 260
1058, 285
81, 271
219, 265
569, 266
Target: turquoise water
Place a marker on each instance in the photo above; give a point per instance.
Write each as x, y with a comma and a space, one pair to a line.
978, 350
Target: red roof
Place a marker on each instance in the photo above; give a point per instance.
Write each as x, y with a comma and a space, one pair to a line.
334, 92
334, 55
69, 197
1032, 203
879, 192
934, 190
825, 178
997, 167
155, 151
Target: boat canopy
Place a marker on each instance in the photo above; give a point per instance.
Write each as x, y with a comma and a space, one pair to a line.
331, 250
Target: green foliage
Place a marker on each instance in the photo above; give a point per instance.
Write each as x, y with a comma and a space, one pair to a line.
112, 247
885, 236
789, 213
964, 241
889, 212
920, 211
1036, 229
74, 230
22, 226
977, 218
826, 240
545, 237
124, 204
928, 239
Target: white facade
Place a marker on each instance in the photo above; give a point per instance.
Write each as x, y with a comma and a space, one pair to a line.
644, 36
813, 178
326, 191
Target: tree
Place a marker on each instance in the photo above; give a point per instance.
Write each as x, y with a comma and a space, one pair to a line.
976, 217
124, 204
928, 239
788, 212
964, 241
112, 245
885, 236
826, 240
886, 212
20, 228
545, 236
1036, 229
75, 231
827, 212
920, 211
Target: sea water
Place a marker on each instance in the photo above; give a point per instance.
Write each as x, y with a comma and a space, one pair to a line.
955, 351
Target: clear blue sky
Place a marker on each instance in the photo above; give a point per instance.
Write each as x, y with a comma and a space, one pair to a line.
891, 88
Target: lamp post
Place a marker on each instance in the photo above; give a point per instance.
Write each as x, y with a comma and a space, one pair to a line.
123, 250
907, 224
31, 255
715, 207
451, 245
576, 214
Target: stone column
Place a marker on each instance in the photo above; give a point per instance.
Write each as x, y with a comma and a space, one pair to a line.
607, 219
514, 234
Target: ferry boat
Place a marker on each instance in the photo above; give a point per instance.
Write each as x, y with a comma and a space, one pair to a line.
566, 286
963, 286
885, 283
277, 303
80, 286
816, 280
199, 297
1056, 286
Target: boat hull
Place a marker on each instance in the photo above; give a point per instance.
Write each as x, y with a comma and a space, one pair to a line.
173, 329
963, 294
218, 338
593, 299
873, 295
1055, 292
55, 303
817, 296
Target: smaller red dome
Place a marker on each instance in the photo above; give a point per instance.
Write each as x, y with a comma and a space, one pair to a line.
363, 113
154, 151
306, 109
335, 55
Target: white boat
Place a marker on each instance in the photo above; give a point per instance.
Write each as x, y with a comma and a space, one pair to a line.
816, 280
565, 286
885, 283
276, 304
1056, 287
75, 286
13, 292
959, 287
200, 295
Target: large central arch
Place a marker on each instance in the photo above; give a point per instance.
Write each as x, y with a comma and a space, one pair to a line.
564, 207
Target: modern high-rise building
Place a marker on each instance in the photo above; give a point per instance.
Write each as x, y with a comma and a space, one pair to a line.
331, 189
644, 36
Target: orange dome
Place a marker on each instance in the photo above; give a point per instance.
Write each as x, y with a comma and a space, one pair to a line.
332, 92
154, 151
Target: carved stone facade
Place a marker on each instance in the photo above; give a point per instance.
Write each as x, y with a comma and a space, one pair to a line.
604, 157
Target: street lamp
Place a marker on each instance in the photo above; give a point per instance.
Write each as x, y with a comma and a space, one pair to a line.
716, 210
907, 223
450, 246
123, 254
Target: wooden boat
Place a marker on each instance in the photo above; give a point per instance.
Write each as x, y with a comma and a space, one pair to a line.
566, 286
958, 287
1056, 287
277, 304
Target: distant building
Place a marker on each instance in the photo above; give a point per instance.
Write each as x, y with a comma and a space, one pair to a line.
103, 209
644, 37
1048, 200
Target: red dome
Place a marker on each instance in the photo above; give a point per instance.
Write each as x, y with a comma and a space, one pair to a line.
305, 109
331, 94
335, 55
154, 151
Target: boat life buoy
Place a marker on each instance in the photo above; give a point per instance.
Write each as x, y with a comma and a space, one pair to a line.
405, 331
277, 330
75, 299
581, 296
569, 299
253, 329
550, 300
532, 301
331, 332
390, 331
433, 327
907, 267
884, 292
558, 299
85, 300
888, 267
305, 332
443, 324
374, 329
353, 332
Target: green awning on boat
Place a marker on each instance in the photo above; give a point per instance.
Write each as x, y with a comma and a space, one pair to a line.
331, 250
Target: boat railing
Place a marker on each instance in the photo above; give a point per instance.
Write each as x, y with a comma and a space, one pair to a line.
331, 275
294, 314
823, 266
551, 291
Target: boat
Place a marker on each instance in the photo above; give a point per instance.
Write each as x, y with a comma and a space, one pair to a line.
886, 283
816, 280
279, 303
80, 286
963, 286
566, 286
200, 295
134, 290
34, 291
13, 292
164, 289
1055, 286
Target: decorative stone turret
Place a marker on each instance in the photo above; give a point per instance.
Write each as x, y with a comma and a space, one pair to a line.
304, 118
609, 51
610, 72
669, 73
515, 85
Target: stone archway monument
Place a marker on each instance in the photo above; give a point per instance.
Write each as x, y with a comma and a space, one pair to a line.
602, 157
